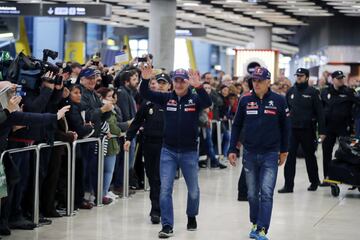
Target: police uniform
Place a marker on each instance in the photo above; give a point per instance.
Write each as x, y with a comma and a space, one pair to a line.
150, 116
305, 112
338, 106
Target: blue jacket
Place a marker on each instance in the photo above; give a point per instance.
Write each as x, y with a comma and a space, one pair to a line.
264, 123
181, 115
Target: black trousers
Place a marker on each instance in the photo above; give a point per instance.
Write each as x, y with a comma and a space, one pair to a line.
51, 180
307, 139
152, 151
328, 146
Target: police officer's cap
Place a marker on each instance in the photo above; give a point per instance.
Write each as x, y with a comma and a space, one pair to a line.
163, 77
338, 74
302, 71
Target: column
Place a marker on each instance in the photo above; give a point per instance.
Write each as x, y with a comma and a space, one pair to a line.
162, 32
75, 41
262, 39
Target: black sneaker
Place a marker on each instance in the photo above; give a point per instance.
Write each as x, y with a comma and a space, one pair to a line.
192, 225
166, 232
313, 187
285, 190
155, 219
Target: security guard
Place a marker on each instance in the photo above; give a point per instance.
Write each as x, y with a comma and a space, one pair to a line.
305, 112
338, 101
150, 116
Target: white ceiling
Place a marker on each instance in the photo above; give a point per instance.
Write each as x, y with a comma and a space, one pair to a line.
231, 22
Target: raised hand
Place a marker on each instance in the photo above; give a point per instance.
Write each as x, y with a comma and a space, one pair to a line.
146, 71
13, 104
194, 78
61, 112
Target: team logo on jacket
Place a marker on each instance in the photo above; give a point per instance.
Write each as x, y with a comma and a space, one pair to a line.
270, 112
252, 105
172, 102
329, 96
151, 111
190, 109
252, 112
271, 105
292, 96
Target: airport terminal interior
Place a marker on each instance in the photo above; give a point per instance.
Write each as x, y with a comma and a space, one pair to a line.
181, 119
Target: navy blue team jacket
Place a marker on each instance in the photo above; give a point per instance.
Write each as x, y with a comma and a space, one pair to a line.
263, 123
181, 115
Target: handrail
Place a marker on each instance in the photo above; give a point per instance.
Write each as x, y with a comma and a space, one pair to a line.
74, 144
37, 165
68, 148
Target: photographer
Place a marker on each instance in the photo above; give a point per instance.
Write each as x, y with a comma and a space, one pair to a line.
17, 119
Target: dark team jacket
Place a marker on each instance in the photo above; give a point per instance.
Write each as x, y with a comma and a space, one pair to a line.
263, 123
150, 116
181, 115
305, 107
338, 106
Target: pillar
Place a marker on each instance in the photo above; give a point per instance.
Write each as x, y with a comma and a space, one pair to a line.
162, 33
75, 41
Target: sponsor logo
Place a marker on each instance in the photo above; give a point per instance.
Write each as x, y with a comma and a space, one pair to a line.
190, 109
172, 102
171, 109
271, 103
252, 105
252, 112
270, 112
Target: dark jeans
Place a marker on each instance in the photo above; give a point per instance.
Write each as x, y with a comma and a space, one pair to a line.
261, 172
90, 164
307, 139
210, 147
242, 188
169, 162
152, 151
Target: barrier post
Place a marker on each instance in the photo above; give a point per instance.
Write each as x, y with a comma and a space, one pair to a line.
37, 160
126, 175
68, 149
218, 133
74, 144
101, 158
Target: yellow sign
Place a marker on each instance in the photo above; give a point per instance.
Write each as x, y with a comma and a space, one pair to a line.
75, 52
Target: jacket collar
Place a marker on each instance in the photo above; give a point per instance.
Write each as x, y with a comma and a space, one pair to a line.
269, 92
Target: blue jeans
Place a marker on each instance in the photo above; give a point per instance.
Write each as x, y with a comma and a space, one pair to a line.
261, 172
225, 142
188, 163
109, 165
210, 147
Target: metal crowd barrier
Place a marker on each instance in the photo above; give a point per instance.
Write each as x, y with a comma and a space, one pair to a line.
68, 148
37, 165
126, 175
100, 163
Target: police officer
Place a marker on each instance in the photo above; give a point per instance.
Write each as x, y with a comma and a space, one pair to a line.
150, 116
262, 115
305, 112
338, 101
182, 108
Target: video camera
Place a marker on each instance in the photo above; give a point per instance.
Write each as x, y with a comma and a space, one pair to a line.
27, 71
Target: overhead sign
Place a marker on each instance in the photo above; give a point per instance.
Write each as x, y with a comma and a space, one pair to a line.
76, 10
55, 10
23, 9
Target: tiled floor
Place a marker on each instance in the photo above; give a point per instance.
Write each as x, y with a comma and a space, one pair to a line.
301, 216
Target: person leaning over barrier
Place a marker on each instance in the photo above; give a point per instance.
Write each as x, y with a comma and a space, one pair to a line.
263, 117
182, 108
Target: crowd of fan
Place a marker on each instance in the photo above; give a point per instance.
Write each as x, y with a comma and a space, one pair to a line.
103, 102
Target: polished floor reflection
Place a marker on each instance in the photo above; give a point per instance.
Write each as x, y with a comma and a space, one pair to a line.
301, 215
